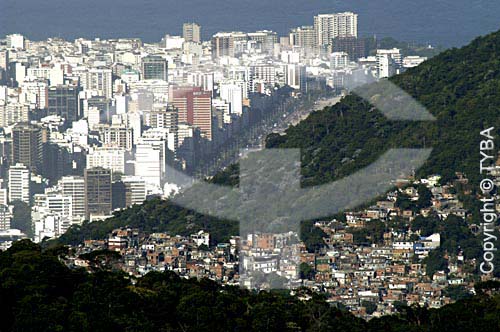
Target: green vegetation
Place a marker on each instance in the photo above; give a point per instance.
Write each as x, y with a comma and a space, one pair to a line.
155, 215
39, 293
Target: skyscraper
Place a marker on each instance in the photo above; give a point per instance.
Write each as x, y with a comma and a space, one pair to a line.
154, 67
97, 192
135, 190
63, 101
296, 76
74, 186
223, 43
329, 26
304, 37
265, 38
150, 161
19, 183
191, 32
233, 94
356, 48
194, 107
101, 80
27, 146
117, 136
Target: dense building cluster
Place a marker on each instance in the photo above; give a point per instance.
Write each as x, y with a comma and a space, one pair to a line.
369, 275
90, 126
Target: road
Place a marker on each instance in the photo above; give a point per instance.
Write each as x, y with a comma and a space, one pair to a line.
279, 125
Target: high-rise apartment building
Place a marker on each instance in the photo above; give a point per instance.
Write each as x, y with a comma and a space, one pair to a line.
74, 186
154, 67
4, 59
262, 73
6, 215
191, 32
116, 136
194, 107
14, 112
135, 190
100, 80
19, 183
63, 101
15, 41
168, 119
355, 47
27, 146
150, 161
296, 77
303, 37
97, 192
107, 157
223, 43
233, 94
265, 38
330, 26
389, 62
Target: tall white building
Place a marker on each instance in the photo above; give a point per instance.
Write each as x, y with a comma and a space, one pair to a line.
5, 217
233, 94
329, 26
98, 80
19, 183
388, 62
35, 93
296, 76
152, 152
56, 203
13, 112
74, 186
339, 60
262, 73
101, 80
15, 41
108, 158
149, 163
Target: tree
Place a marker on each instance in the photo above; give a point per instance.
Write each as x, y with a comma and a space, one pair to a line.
424, 197
369, 306
435, 261
306, 271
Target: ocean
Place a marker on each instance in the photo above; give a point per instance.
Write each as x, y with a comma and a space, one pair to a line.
437, 22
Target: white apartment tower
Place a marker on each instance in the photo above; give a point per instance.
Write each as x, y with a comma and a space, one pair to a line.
107, 157
329, 26
74, 186
233, 94
388, 62
19, 183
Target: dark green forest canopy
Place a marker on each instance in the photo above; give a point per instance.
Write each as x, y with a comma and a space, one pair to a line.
39, 293
460, 87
